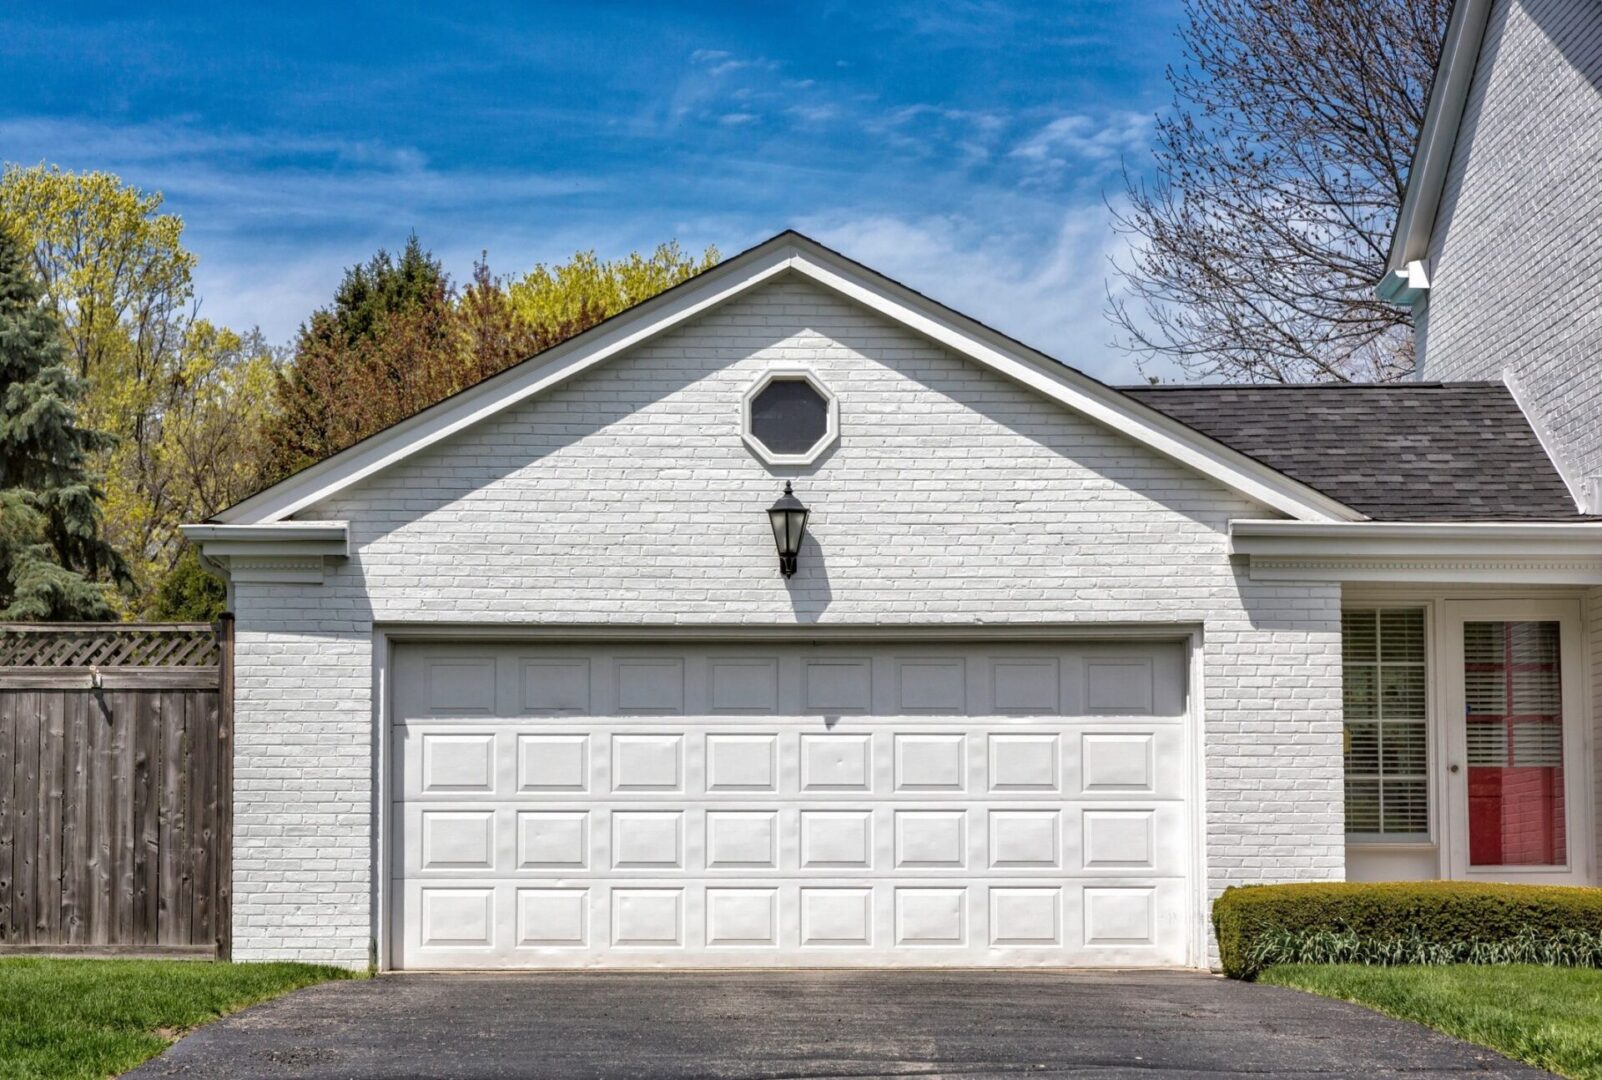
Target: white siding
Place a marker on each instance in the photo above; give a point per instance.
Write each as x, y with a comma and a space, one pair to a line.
1516, 260
627, 497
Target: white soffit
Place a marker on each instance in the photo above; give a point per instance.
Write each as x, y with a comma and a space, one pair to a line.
1523, 553
791, 253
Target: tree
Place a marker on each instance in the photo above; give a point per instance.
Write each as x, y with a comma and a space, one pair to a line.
584, 286
1278, 177
189, 593
54, 562
180, 397
398, 338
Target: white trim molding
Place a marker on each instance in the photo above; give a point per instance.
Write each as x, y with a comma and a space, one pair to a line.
288, 551
1426, 180
1514, 553
792, 253
831, 432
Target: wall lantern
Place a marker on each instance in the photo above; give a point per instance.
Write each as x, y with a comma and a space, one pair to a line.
789, 520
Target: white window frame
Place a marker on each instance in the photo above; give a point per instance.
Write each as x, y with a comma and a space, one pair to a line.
831, 433
1429, 723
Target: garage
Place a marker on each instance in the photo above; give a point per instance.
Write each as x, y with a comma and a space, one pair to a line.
790, 804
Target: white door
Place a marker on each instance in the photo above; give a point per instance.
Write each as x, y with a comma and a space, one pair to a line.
773, 805
1516, 770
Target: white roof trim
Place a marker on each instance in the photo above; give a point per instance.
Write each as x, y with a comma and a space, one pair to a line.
790, 252
1426, 180
1535, 553
284, 551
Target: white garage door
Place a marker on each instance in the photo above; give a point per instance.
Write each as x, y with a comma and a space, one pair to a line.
711, 805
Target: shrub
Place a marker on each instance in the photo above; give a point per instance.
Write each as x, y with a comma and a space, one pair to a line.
1429, 922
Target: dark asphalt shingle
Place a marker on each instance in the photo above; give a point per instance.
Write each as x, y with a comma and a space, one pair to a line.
1397, 452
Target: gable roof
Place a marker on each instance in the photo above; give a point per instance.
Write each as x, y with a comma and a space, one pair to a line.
1397, 452
1426, 177
791, 253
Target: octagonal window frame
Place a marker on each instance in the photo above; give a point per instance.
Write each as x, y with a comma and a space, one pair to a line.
831, 431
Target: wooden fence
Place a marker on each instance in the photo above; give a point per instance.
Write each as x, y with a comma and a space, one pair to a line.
116, 770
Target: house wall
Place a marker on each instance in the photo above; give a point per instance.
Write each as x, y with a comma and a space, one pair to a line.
626, 497
1516, 256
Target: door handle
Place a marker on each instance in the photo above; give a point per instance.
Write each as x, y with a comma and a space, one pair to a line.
1454, 767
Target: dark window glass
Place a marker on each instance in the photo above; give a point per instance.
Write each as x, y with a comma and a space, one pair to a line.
788, 416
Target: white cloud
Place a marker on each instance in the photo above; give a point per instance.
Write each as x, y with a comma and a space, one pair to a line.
1076, 139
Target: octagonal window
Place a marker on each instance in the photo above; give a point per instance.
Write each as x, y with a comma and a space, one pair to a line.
789, 416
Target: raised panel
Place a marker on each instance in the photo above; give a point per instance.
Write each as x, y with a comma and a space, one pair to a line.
837, 686
1025, 686
457, 763
1026, 916
457, 918
742, 917
836, 917
556, 686
931, 917
836, 763
458, 839
743, 686
840, 839
1118, 763
931, 686
1119, 686
650, 686
553, 918
1119, 916
742, 839
931, 839
647, 762
741, 762
647, 918
930, 762
647, 840
553, 839
1024, 839
1023, 763
465, 686
553, 763
1123, 839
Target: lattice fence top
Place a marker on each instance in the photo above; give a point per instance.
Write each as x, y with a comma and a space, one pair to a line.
108, 645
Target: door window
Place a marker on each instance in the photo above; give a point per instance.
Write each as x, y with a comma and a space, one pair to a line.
1512, 681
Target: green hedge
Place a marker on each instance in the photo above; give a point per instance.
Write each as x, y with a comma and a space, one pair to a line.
1407, 922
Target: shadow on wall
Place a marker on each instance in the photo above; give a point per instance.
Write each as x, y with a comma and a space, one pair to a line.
1574, 29
810, 594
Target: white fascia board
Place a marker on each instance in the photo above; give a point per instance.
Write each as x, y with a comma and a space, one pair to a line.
1083, 394
1538, 553
1426, 181
790, 252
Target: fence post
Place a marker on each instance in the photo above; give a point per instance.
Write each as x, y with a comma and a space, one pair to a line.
225, 786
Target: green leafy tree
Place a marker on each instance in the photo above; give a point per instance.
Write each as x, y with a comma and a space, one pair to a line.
585, 286
398, 337
54, 560
181, 398
189, 592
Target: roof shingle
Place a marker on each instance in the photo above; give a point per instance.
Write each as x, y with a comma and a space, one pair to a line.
1396, 452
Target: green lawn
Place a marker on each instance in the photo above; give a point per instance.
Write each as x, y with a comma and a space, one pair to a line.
1550, 1017
97, 1018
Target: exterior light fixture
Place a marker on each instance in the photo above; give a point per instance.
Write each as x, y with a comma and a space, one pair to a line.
789, 520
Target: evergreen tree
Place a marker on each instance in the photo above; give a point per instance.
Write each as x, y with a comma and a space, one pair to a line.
54, 561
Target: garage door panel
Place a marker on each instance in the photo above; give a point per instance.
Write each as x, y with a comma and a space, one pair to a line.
745, 807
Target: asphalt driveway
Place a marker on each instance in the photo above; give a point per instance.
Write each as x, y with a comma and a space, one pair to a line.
814, 1024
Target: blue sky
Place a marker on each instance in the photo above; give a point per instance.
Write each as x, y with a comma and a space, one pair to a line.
964, 148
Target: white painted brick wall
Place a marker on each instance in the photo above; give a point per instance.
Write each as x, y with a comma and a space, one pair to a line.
627, 497
1516, 260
